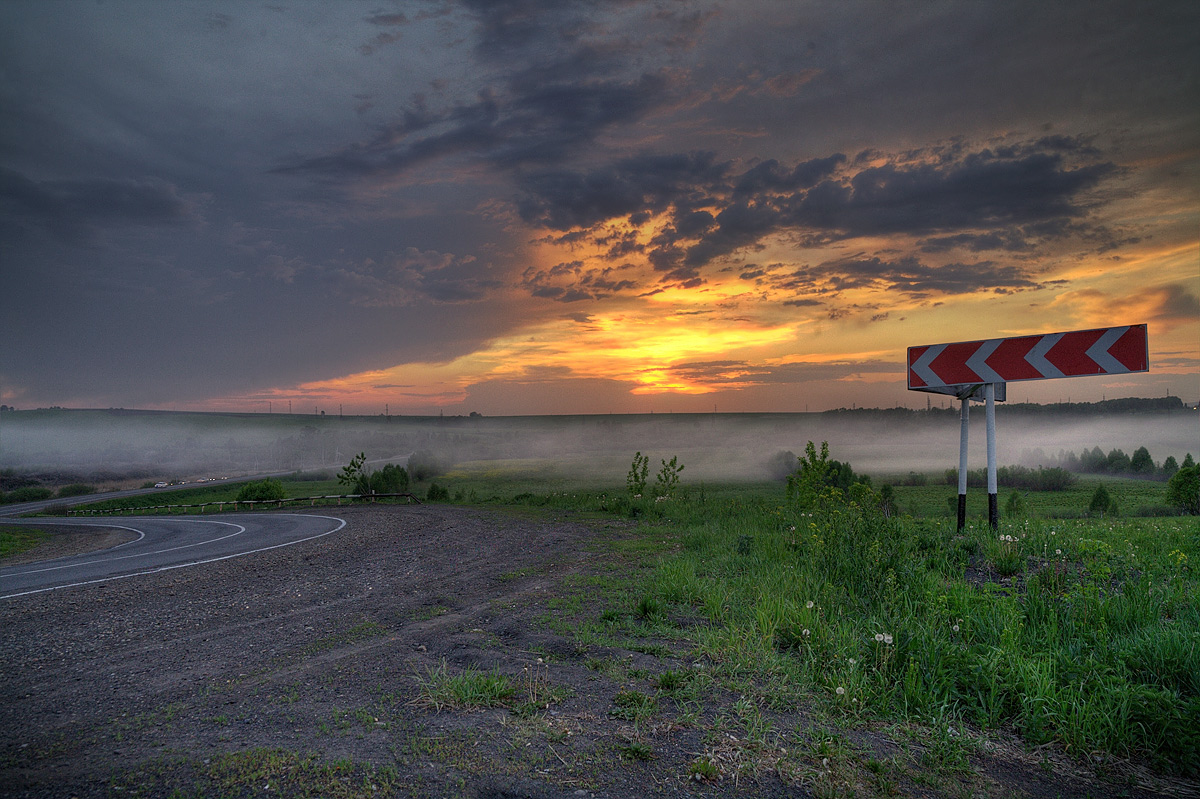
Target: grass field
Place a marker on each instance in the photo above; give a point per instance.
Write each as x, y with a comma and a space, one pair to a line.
1080, 633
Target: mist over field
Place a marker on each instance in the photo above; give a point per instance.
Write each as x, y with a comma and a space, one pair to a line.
118, 445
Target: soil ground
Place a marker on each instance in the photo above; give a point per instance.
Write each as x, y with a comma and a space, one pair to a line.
310, 671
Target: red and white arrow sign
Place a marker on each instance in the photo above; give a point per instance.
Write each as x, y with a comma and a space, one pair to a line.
1104, 351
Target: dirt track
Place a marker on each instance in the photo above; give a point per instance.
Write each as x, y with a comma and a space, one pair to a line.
143, 686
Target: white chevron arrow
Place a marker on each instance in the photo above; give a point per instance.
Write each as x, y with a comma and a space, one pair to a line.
978, 362
1037, 355
922, 368
1099, 353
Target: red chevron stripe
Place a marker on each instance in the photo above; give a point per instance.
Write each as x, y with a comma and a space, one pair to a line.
1070, 353
1130, 349
1009, 359
914, 380
951, 365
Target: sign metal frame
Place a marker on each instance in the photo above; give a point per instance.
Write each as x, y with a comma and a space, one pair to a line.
988, 365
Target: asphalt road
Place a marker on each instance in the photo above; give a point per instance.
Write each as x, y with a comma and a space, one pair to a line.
163, 543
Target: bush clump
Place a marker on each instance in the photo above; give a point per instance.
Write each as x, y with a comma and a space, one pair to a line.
261, 491
1183, 490
26, 494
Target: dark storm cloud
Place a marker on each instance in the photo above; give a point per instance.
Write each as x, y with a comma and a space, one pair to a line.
730, 372
572, 282
563, 199
74, 209
535, 124
414, 277
561, 80
990, 199
982, 190
904, 275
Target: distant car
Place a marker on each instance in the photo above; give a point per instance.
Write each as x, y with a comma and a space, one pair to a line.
160, 485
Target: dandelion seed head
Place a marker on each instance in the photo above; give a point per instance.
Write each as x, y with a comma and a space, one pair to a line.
840, 690
887, 639
808, 604
878, 636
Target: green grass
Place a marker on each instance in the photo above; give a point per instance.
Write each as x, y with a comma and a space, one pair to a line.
938, 499
1081, 632
262, 772
1084, 633
468, 690
14, 540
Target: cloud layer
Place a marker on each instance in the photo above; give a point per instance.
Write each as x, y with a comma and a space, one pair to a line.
478, 200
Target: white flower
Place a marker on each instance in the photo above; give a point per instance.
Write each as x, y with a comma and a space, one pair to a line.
805, 633
1058, 552
852, 661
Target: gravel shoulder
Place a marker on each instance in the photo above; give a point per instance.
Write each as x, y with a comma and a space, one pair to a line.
311, 665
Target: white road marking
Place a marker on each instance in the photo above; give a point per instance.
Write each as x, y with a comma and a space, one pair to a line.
341, 524
142, 534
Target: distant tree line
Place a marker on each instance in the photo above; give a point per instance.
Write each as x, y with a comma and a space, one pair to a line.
1116, 462
1022, 477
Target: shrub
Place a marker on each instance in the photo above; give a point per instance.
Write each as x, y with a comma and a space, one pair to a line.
28, 494
1102, 503
261, 491
1183, 489
437, 493
424, 465
667, 478
1014, 508
391, 479
635, 481
817, 474
781, 464
76, 490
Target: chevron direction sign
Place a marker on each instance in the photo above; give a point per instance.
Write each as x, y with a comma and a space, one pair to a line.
1079, 353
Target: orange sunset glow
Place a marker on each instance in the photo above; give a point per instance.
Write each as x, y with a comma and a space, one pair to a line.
625, 208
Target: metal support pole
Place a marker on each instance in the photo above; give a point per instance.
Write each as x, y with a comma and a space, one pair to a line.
962, 464
993, 507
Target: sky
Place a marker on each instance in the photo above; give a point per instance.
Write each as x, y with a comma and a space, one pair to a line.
546, 206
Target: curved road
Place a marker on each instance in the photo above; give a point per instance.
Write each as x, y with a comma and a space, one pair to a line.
163, 543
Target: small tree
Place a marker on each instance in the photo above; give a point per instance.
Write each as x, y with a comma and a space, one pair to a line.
1183, 490
1102, 503
1014, 508
354, 474
667, 478
635, 481
391, 479
887, 501
1141, 462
